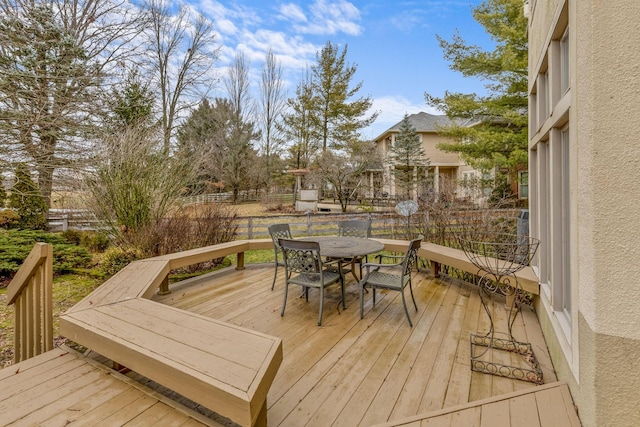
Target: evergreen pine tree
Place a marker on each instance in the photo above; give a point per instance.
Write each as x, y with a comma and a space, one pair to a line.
27, 200
337, 115
498, 138
407, 155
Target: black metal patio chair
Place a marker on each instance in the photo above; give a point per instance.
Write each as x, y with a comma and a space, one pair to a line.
377, 278
304, 267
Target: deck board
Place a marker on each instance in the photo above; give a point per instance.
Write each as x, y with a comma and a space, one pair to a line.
519, 408
434, 396
363, 372
62, 387
390, 378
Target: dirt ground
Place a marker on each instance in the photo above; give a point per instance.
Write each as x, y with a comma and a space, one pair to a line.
259, 209
251, 209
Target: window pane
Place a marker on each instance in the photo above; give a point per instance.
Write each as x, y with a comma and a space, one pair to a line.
564, 62
566, 291
523, 185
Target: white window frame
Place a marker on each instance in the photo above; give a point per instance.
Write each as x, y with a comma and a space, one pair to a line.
566, 223
549, 187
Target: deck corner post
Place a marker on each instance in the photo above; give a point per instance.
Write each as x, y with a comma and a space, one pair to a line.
240, 261
164, 287
435, 269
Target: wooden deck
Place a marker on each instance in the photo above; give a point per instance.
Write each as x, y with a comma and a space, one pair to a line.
352, 372
548, 405
61, 387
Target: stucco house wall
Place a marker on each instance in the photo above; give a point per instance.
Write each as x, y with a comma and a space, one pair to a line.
595, 346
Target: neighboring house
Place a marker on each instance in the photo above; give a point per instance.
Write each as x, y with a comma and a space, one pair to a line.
584, 191
444, 172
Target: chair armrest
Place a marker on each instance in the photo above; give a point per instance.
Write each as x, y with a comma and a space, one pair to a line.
378, 265
381, 256
332, 261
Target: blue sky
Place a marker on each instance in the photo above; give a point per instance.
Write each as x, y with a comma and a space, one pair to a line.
393, 44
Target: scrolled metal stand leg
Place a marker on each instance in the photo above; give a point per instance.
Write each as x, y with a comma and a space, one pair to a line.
481, 344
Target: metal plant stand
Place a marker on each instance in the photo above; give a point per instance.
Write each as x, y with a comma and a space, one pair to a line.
498, 257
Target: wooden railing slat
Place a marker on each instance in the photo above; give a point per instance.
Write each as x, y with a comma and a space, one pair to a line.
18, 341
47, 310
29, 330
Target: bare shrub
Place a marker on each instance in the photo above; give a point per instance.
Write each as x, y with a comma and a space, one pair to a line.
442, 212
446, 215
186, 229
281, 208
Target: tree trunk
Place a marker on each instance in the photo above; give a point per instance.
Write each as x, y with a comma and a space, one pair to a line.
44, 159
45, 184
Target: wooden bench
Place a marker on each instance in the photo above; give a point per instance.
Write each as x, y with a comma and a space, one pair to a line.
221, 366
226, 368
456, 258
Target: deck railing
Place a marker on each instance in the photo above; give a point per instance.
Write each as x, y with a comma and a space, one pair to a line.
31, 293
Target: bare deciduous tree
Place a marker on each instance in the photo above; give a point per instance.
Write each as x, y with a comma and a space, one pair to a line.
183, 51
273, 103
241, 132
344, 169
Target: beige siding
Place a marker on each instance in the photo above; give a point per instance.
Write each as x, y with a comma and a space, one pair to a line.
436, 156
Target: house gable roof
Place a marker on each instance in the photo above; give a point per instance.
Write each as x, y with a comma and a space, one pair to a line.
422, 122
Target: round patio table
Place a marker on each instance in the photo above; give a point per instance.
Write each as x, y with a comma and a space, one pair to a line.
346, 247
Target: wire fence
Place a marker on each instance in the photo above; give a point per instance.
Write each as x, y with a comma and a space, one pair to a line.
436, 227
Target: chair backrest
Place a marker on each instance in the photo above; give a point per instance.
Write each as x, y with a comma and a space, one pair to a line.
301, 256
277, 232
411, 256
354, 228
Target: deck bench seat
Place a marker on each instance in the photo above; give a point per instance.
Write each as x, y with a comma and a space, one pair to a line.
226, 368
456, 258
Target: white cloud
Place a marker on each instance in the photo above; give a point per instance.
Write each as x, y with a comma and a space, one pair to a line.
254, 30
226, 26
292, 12
228, 21
293, 53
408, 20
281, 43
327, 17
